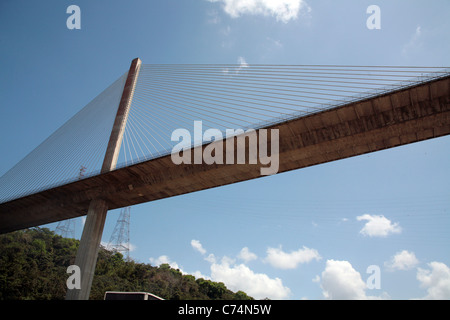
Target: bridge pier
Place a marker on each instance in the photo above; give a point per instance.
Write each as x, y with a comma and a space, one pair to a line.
87, 254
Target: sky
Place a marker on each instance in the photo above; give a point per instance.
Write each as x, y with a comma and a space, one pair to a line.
369, 227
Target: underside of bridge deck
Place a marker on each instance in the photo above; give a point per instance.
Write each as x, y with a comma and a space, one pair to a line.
389, 120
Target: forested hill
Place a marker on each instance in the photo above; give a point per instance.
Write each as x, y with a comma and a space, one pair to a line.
33, 266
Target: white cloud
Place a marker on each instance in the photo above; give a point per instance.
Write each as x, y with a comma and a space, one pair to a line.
257, 285
166, 260
198, 246
235, 276
211, 258
213, 17
403, 260
340, 281
414, 42
436, 280
378, 226
282, 10
242, 63
238, 276
198, 275
282, 260
226, 31
247, 255
275, 43
418, 31
163, 260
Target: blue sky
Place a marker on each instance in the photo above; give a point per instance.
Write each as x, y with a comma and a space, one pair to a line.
311, 233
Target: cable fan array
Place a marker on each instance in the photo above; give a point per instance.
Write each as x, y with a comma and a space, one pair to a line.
73, 152
221, 96
168, 97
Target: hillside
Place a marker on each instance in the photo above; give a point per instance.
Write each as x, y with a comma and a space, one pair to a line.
33, 265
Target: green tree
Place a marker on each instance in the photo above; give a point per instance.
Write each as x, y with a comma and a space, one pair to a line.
33, 266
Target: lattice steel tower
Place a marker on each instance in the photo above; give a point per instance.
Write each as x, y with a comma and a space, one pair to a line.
120, 238
66, 228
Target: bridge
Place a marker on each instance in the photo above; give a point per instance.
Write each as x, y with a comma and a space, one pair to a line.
323, 114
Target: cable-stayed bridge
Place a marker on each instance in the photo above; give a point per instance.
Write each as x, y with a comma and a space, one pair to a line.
122, 140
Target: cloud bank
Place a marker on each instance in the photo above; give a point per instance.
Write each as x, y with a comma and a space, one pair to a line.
240, 277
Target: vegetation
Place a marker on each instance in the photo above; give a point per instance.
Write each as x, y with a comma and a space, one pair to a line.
33, 266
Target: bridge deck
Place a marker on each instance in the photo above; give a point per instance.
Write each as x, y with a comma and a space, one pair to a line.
392, 119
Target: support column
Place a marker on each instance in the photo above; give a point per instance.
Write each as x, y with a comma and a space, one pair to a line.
87, 254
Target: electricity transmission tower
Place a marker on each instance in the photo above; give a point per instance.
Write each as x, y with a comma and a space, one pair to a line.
120, 238
66, 228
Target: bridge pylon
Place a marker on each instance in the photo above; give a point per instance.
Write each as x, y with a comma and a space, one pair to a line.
87, 254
